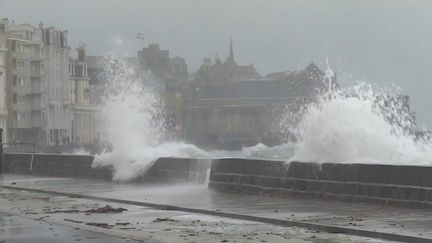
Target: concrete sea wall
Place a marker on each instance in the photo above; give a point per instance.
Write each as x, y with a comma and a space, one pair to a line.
400, 185
79, 166
391, 184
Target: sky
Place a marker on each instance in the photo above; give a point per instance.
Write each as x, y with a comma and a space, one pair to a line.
384, 42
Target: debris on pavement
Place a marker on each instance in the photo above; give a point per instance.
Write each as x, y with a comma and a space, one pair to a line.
106, 209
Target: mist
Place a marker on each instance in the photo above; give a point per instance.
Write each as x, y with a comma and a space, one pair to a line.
368, 40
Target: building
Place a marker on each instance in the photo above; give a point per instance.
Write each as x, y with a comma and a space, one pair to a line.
56, 50
97, 74
25, 83
228, 71
3, 51
229, 115
85, 117
173, 72
37, 84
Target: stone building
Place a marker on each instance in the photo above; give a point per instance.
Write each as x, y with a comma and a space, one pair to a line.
229, 115
96, 72
173, 72
85, 117
37, 84
228, 71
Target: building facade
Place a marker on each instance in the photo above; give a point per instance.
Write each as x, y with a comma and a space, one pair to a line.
37, 84
56, 50
230, 115
85, 119
173, 72
25, 83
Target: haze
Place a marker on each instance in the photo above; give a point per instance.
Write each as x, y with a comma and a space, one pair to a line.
386, 42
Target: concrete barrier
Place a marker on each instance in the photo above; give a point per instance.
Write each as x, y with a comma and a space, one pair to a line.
178, 170
390, 184
79, 166
75, 166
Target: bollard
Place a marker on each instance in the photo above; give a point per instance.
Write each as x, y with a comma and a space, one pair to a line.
1, 150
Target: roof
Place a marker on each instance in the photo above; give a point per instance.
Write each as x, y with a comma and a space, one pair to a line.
259, 89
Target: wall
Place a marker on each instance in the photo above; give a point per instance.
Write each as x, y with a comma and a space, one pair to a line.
409, 186
79, 166
54, 165
390, 184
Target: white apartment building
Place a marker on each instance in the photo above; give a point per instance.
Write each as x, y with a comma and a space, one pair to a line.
56, 52
37, 84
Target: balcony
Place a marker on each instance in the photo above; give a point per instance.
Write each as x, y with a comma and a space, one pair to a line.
36, 74
37, 89
20, 107
38, 123
20, 55
52, 102
21, 124
36, 58
21, 90
37, 106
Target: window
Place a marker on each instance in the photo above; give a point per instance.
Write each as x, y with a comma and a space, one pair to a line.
15, 98
14, 82
21, 99
20, 116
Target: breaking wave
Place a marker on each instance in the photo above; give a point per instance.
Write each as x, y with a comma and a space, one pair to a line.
135, 124
360, 125
356, 124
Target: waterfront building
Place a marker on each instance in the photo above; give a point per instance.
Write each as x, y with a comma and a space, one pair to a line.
223, 72
171, 73
230, 115
37, 84
85, 116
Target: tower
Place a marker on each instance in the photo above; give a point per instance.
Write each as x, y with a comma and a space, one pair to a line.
230, 59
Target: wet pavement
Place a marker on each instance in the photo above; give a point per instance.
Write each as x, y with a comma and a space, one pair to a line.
16, 229
375, 218
45, 217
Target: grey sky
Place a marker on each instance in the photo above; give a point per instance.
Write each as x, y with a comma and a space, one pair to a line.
388, 41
